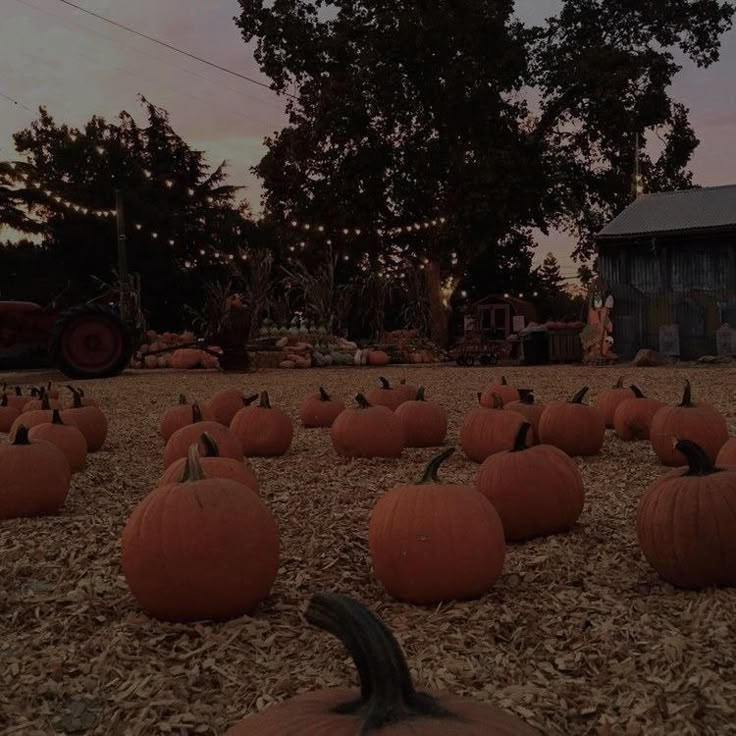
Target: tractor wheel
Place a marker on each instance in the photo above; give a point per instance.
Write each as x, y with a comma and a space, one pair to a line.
90, 341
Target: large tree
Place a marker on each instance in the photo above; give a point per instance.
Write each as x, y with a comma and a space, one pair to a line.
182, 221
404, 111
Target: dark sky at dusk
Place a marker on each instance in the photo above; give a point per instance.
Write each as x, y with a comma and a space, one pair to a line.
53, 55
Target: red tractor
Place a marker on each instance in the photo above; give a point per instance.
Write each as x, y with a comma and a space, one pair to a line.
87, 341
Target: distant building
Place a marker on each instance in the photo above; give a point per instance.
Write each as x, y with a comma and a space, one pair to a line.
670, 259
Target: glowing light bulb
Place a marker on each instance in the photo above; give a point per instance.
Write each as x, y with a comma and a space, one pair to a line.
358, 231
321, 228
147, 173
171, 242
345, 231
154, 235
100, 150
169, 183
346, 258
294, 223
190, 192
138, 226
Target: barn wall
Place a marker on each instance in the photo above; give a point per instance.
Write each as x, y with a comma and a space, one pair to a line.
689, 283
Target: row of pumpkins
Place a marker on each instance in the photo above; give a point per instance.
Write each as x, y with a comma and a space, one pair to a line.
221, 542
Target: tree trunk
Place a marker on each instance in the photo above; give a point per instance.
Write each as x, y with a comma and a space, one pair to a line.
439, 313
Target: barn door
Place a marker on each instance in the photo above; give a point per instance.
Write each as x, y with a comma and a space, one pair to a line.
628, 321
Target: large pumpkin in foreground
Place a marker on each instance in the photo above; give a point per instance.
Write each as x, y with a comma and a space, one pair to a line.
687, 522
432, 542
387, 703
698, 422
202, 549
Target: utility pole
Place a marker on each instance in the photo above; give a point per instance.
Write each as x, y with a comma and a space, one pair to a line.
122, 258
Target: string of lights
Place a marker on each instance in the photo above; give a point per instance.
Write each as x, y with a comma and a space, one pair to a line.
381, 232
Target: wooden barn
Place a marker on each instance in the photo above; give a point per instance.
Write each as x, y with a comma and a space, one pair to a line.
669, 259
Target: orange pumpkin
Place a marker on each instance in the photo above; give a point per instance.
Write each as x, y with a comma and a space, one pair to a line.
36, 402
574, 427
178, 445
319, 410
53, 393
225, 404
700, 423
263, 430
684, 522
67, 438
408, 391
8, 414
392, 398
484, 431
202, 549
530, 410
89, 419
30, 419
214, 466
186, 359
536, 490
418, 554
17, 400
506, 393
183, 415
378, 358
367, 431
387, 703
424, 422
633, 417
35, 477
610, 398
727, 453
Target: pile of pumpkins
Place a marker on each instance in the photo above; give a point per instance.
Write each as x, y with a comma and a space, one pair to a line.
150, 355
220, 541
47, 443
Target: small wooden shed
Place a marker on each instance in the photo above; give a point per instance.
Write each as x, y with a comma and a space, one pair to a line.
492, 318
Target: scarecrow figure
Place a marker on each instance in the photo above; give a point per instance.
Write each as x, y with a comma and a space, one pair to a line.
597, 336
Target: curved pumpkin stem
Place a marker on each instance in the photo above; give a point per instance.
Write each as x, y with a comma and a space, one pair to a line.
45, 403
387, 693
196, 413
638, 394
527, 398
4, 400
362, 402
77, 396
430, 472
18, 391
420, 394
698, 461
497, 401
480, 396
323, 395
265, 402
182, 400
520, 439
248, 400
21, 436
210, 445
384, 383
193, 468
619, 383
56, 417
504, 382
579, 396
687, 397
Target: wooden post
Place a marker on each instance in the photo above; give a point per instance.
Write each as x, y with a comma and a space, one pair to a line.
123, 275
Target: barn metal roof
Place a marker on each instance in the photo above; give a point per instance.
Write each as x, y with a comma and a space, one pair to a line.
690, 210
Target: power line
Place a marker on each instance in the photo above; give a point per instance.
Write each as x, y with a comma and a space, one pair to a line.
14, 101
171, 47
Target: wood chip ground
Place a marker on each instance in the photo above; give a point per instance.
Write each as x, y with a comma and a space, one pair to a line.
578, 637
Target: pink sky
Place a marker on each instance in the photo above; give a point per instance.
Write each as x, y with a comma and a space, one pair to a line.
53, 55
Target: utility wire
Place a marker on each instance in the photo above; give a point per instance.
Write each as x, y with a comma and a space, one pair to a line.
171, 47
14, 101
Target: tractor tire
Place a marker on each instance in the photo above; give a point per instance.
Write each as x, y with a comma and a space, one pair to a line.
90, 341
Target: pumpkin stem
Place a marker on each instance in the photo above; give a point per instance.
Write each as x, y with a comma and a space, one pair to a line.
56, 417
362, 402
504, 382
420, 394
182, 400
619, 383
323, 395
77, 397
45, 403
248, 400
520, 439
480, 396
18, 391
579, 396
196, 413
697, 459
387, 693
527, 398
21, 436
687, 396
265, 402
384, 383
430, 472
4, 400
637, 391
210, 445
193, 468
497, 401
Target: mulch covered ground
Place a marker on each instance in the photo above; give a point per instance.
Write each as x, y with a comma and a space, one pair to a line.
578, 637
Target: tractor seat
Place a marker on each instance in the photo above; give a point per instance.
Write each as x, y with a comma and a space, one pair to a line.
20, 307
